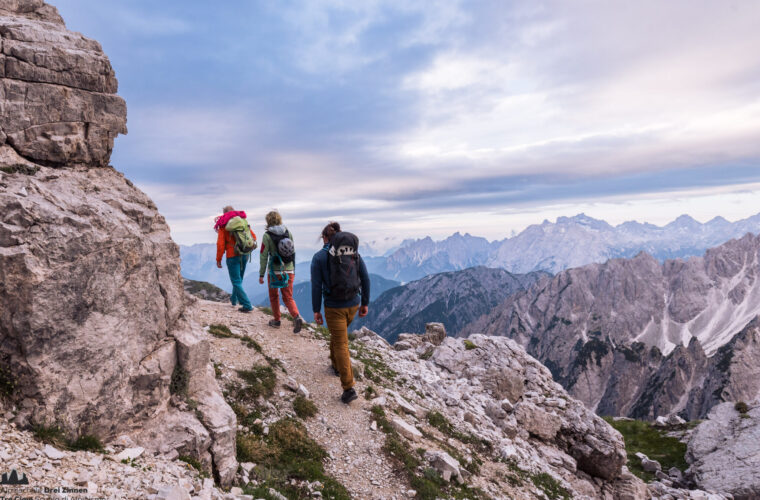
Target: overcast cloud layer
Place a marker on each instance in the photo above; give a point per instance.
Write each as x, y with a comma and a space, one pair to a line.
408, 119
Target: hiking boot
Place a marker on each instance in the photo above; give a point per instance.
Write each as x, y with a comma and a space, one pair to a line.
334, 371
274, 323
348, 395
244, 310
297, 324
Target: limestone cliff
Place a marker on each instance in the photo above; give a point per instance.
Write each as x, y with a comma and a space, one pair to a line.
92, 333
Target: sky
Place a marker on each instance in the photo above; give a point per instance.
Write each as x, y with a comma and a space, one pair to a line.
404, 119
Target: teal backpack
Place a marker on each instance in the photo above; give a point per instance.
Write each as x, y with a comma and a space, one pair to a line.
277, 279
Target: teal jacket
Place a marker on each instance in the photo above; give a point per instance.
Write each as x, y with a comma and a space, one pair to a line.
267, 249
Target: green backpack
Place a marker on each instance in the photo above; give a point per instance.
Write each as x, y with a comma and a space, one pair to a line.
241, 233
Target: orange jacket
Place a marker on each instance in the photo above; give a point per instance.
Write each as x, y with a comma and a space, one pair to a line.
225, 242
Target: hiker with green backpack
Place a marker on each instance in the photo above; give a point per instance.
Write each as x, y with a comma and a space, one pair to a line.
237, 240
278, 254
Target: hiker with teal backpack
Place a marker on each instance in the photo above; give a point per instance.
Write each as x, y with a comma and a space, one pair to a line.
237, 240
278, 255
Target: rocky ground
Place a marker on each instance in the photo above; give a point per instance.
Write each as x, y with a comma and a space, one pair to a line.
117, 472
437, 417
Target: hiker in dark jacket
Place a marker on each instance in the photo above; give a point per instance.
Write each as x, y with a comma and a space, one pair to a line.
339, 311
279, 265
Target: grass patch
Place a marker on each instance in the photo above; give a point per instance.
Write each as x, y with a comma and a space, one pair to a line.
19, 168
287, 454
369, 392
221, 331
252, 344
428, 484
55, 436
741, 407
260, 380
375, 369
194, 463
439, 421
304, 407
87, 442
550, 486
180, 381
427, 354
469, 345
217, 369
266, 310
7, 383
643, 437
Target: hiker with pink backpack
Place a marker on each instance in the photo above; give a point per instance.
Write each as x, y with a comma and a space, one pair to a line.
237, 240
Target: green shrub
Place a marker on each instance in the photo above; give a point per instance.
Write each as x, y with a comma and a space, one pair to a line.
741, 407
194, 463
469, 345
87, 442
304, 407
53, 435
180, 380
7, 383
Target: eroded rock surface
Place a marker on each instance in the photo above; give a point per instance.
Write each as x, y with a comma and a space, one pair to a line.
724, 452
92, 331
57, 89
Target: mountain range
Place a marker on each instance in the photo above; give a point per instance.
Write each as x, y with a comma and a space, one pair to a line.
641, 338
455, 299
555, 246
549, 246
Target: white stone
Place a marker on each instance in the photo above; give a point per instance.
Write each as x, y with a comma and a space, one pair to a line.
405, 429
53, 453
129, 454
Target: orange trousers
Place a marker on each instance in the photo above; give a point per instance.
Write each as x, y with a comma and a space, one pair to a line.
287, 298
338, 319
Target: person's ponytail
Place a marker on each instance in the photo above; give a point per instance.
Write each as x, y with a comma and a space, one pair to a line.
330, 230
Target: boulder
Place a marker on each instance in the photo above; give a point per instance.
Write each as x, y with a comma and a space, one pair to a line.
538, 422
435, 333
405, 429
446, 465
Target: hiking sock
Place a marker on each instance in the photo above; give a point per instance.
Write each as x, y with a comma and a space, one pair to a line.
297, 324
348, 395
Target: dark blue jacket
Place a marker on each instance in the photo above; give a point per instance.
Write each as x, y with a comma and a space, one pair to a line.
320, 283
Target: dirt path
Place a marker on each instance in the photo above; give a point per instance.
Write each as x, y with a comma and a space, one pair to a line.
356, 456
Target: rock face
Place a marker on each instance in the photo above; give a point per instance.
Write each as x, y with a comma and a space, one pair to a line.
631, 336
454, 298
91, 300
724, 452
58, 90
